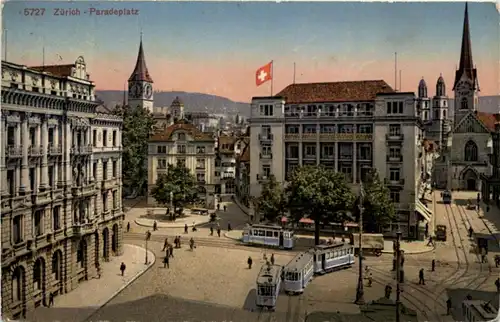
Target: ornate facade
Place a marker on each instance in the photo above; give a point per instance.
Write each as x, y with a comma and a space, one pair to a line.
57, 220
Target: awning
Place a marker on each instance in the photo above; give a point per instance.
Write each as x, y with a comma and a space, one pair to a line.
423, 210
306, 221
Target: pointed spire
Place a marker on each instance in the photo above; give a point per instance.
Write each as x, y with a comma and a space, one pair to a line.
466, 64
140, 72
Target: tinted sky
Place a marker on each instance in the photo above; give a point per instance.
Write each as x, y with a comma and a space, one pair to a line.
213, 47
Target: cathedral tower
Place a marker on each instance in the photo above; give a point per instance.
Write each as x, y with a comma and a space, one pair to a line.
423, 101
140, 84
466, 85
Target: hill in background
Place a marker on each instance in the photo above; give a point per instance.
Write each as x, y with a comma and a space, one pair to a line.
193, 102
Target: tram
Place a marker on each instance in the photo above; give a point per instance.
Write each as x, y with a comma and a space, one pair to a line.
332, 257
298, 273
268, 286
478, 310
268, 235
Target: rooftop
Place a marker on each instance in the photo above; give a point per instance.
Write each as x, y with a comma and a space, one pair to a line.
269, 274
181, 125
299, 261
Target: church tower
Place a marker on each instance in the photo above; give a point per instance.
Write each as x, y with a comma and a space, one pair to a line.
140, 84
466, 85
440, 116
423, 101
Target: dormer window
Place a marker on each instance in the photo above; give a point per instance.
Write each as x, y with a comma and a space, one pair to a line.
181, 136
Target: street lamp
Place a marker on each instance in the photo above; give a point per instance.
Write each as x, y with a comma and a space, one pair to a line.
360, 293
148, 237
398, 275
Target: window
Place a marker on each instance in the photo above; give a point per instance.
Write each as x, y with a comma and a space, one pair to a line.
94, 137
365, 128
37, 275
11, 182
80, 255
328, 152
51, 136
291, 129
346, 110
394, 129
94, 170
444, 114
32, 136
104, 202
471, 154
346, 169
11, 135
464, 104
17, 229
365, 151
181, 162
394, 174
265, 110
32, 176
345, 150
327, 128
38, 223
238, 146
50, 171
161, 149
436, 114
162, 163
181, 137
395, 196
426, 115
200, 177
266, 171
114, 138
309, 129
115, 200
330, 110
395, 107
200, 149
104, 170
115, 169
310, 150
266, 150
104, 138
200, 163
217, 173
181, 149
56, 217
292, 151
394, 152
345, 128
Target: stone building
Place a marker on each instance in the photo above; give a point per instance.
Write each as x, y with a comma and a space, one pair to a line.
351, 127
56, 219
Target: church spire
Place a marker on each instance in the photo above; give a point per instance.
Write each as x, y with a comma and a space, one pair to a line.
140, 72
466, 64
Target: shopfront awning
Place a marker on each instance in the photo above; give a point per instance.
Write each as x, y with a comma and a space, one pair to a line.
423, 210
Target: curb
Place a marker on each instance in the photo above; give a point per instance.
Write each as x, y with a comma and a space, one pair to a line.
237, 202
413, 253
229, 237
170, 227
139, 274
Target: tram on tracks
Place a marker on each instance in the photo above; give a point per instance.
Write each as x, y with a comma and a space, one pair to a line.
268, 286
332, 257
298, 273
268, 235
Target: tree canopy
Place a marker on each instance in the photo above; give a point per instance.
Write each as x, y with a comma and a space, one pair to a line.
137, 127
177, 182
320, 194
378, 206
272, 202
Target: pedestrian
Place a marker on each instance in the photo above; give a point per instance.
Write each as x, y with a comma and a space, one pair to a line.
171, 251
370, 280
191, 244
483, 255
122, 268
211, 231
387, 291
98, 270
402, 256
165, 262
478, 197
448, 306
218, 232
431, 242
228, 226
487, 208
179, 241
433, 265
51, 299
421, 280
249, 262
497, 284
426, 229
128, 226
155, 226
272, 259
225, 208
218, 206
185, 228
165, 244
497, 261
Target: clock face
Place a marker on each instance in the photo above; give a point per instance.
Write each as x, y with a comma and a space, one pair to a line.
463, 88
148, 91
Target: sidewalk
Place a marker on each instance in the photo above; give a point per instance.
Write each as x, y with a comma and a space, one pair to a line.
191, 220
79, 304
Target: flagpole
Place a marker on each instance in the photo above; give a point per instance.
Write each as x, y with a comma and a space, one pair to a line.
272, 76
294, 72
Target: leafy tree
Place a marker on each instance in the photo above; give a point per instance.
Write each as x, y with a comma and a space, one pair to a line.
137, 127
177, 182
378, 208
320, 194
272, 201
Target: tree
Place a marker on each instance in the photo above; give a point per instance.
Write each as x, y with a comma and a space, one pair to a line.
319, 194
378, 208
177, 182
272, 201
137, 127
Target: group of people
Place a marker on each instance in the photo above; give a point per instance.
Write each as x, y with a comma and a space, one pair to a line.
168, 248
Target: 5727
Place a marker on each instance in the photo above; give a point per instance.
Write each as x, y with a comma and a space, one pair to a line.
34, 11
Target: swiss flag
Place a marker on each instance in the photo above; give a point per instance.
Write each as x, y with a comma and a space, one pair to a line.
264, 74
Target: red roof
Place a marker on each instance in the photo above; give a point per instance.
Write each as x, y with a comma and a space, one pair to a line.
56, 70
334, 91
166, 134
488, 119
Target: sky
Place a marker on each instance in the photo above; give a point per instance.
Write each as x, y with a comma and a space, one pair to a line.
216, 47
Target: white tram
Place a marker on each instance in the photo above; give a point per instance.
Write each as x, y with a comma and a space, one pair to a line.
268, 235
479, 311
331, 257
298, 273
268, 286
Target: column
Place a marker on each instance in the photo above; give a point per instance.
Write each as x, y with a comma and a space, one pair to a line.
301, 154
318, 144
354, 162
337, 155
25, 181
44, 184
68, 136
3, 149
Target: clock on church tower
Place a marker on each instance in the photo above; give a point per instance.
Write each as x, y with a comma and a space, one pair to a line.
140, 84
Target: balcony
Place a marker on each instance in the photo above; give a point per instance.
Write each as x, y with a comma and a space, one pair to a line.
309, 157
200, 168
14, 151
328, 136
82, 150
345, 157
389, 182
41, 198
84, 190
266, 156
108, 184
394, 137
55, 149
309, 136
364, 157
394, 158
292, 137
327, 157
84, 229
34, 151
266, 137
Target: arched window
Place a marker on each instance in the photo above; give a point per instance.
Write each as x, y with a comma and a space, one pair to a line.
470, 151
464, 103
17, 284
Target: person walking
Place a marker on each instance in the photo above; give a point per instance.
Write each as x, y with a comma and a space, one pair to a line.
229, 226
211, 231
433, 265
155, 226
122, 268
225, 208
249, 262
471, 231
166, 263
483, 255
448, 306
431, 241
165, 244
128, 226
218, 231
421, 280
98, 270
272, 259
171, 251
186, 228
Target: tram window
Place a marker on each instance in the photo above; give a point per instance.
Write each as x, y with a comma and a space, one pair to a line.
276, 234
269, 233
262, 233
265, 290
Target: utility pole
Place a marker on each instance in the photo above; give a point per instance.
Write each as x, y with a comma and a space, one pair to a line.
148, 237
360, 293
398, 276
